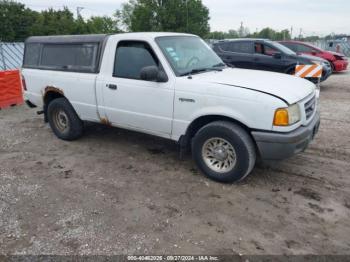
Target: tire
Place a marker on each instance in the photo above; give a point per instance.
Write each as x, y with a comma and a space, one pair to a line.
63, 120
291, 72
224, 151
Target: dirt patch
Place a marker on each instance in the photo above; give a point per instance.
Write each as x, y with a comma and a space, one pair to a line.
120, 192
309, 193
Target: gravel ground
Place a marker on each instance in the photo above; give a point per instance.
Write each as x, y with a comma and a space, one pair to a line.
121, 192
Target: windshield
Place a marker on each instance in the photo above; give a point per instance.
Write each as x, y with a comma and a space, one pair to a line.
189, 54
283, 48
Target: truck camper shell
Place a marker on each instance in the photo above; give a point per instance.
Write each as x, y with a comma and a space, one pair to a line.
71, 53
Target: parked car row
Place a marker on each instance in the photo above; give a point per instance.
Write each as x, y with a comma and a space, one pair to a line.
262, 54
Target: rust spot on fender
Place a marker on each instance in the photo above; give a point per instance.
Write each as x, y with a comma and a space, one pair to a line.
53, 89
105, 121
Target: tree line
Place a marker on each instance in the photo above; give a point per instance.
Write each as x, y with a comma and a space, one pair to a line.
17, 22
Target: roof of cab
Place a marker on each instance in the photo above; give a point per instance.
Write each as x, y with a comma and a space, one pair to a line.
243, 39
66, 38
96, 37
154, 34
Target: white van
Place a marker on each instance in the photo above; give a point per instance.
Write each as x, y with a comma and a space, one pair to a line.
172, 86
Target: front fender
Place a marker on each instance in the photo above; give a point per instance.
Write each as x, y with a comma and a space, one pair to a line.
249, 113
220, 111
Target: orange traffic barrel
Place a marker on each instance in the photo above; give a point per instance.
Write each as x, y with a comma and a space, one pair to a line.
11, 92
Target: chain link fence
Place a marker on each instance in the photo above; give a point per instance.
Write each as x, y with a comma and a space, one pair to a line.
334, 45
11, 55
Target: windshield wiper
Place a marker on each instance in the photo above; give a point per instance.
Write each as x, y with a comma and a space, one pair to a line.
200, 70
219, 65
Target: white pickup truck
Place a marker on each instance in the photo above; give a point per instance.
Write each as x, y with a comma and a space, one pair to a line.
172, 86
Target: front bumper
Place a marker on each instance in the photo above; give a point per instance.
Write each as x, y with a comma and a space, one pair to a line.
326, 73
340, 65
278, 146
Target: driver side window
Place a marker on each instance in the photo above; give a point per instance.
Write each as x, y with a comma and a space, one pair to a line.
270, 51
304, 49
263, 49
131, 57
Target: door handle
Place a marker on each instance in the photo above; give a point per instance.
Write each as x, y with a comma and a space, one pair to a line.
112, 86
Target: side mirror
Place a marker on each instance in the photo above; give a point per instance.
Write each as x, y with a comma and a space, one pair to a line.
152, 73
277, 55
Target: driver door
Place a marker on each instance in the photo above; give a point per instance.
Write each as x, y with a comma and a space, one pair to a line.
134, 103
265, 58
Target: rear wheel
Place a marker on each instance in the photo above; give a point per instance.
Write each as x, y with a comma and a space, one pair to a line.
224, 151
63, 120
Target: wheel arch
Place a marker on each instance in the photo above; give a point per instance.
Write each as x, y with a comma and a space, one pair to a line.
50, 94
201, 121
290, 69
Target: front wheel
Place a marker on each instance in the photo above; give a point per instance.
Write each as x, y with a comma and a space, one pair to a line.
291, 71
224, 151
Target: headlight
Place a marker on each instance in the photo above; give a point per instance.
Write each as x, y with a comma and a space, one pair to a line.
287, 116
338, 57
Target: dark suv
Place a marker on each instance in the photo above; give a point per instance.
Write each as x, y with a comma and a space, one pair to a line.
262, 54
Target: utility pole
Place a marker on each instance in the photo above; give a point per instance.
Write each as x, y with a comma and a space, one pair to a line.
79, 9
291, 32
187, 16
300, 32
241, 30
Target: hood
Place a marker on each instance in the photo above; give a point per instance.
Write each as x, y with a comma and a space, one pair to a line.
335, 53
290, 89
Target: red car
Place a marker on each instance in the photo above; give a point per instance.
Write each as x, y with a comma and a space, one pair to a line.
338, 61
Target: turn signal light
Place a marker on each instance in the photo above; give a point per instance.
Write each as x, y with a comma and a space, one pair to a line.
281, 117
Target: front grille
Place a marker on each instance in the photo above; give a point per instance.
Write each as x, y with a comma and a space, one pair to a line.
310, 107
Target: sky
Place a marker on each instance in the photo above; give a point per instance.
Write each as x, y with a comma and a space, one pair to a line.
320, 17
